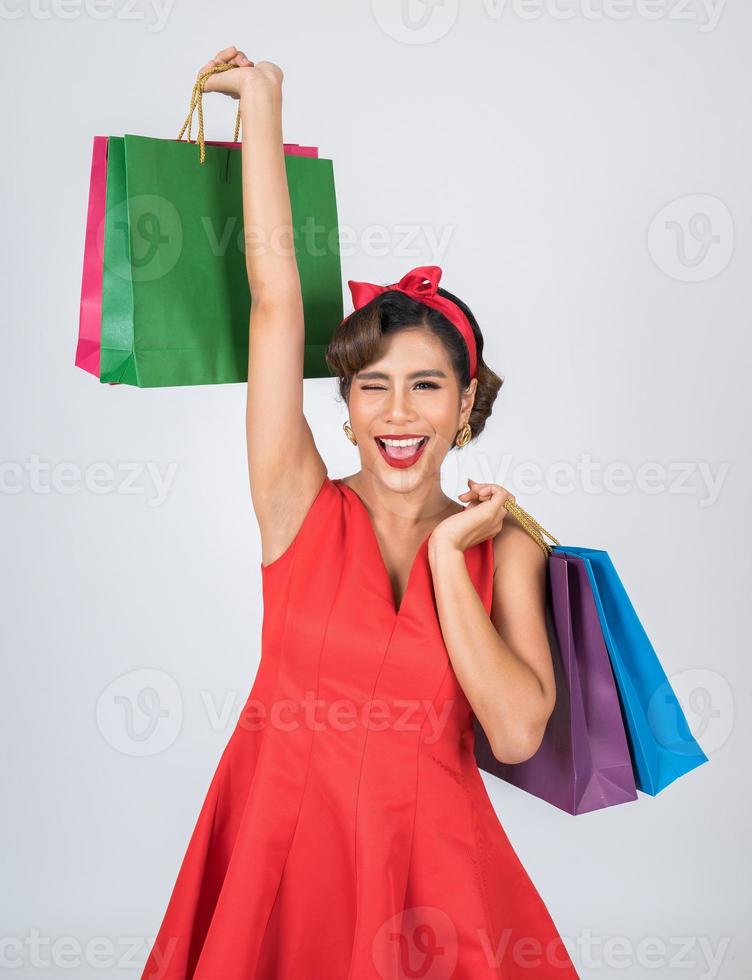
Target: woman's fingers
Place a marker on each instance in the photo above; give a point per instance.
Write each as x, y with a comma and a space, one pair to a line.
485, 491
206, 67
225, 56
471, 498
229, 56
483, 487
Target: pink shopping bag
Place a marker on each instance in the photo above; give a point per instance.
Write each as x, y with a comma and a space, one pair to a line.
90, 313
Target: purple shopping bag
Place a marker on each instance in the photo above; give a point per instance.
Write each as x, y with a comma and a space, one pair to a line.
583, 763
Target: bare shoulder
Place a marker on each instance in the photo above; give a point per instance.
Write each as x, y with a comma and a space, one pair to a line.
515, 550
519, 577
518, 609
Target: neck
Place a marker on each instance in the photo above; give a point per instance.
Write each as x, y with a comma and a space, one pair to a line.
402, 509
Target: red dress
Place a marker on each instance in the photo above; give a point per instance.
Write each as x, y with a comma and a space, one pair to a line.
347, 833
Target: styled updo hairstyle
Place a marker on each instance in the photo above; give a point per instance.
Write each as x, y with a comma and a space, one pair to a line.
357, 342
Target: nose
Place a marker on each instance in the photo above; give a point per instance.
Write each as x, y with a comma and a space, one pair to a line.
399, 409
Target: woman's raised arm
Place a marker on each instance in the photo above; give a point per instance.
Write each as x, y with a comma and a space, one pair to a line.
285, 468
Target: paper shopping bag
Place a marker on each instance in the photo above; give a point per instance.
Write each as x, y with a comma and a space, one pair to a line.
583, 762
90, 311
661, 743
176, 301
580, 765
135, 255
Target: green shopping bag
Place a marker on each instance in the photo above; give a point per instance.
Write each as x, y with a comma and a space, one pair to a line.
175, 296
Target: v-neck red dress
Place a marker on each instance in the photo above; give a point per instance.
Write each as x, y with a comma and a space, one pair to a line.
347, 833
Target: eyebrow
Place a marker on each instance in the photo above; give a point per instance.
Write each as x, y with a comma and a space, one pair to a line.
383, 376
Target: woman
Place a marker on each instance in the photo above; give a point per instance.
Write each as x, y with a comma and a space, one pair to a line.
347, 833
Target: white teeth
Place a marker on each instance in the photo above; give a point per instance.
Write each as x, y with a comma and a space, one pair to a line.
403, 442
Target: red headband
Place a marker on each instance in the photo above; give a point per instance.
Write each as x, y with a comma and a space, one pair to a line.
414, 285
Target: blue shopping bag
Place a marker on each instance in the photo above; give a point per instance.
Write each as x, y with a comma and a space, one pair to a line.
661, 745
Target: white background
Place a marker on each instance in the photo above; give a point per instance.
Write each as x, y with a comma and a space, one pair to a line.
544, 148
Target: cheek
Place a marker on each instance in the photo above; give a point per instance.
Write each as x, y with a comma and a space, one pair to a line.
442, 413
364, 410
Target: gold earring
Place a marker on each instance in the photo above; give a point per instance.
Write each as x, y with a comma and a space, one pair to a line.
349, 433
464, 436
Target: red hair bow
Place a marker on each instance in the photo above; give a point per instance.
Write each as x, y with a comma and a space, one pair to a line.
414, 285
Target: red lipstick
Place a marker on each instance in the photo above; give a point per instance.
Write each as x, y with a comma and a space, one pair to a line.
401, 456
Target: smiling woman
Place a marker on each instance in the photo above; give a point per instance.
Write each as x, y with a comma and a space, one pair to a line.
363, 336
335, 846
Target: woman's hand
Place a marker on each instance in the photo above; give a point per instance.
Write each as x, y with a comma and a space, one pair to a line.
232, 83
481, 519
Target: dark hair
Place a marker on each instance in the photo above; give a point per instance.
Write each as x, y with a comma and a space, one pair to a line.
358, 340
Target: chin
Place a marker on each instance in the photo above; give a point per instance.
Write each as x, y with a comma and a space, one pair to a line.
406, 473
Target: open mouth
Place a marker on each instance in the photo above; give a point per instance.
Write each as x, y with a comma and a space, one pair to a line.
401, 451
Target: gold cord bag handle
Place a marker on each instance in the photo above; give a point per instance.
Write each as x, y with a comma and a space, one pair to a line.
536, 531
196, 103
